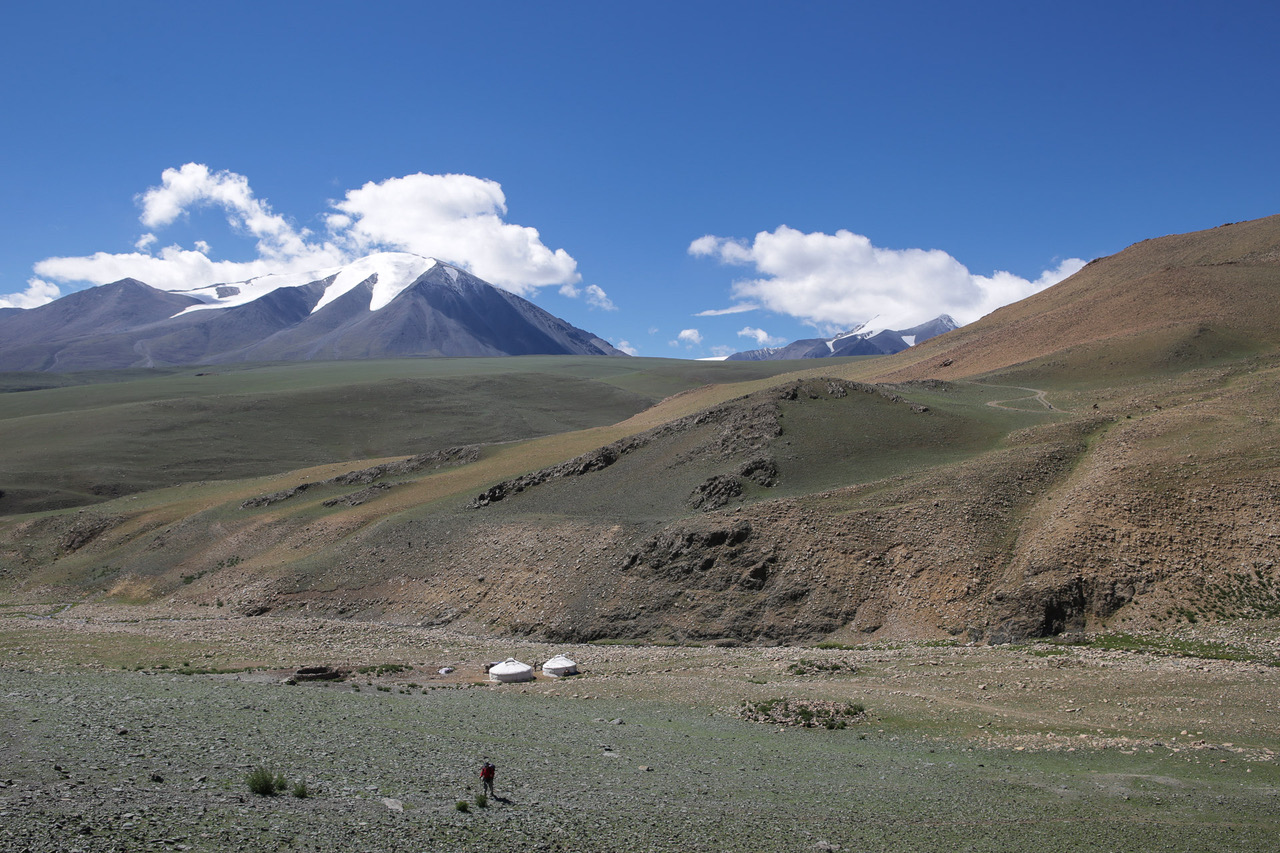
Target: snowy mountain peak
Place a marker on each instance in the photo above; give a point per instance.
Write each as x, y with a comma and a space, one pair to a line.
391, 272
862, 330
865, 339
394, 272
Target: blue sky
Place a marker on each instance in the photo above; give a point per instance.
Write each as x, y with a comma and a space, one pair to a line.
755, 172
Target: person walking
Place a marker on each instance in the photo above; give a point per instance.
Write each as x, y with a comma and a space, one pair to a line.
487, 772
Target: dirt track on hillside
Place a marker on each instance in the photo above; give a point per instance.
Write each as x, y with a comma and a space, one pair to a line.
1037, 395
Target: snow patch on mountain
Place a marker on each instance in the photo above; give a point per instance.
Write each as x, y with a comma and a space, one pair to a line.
862, 330
394, 272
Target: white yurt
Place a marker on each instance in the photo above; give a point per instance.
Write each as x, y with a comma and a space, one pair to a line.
558, 666
511, 670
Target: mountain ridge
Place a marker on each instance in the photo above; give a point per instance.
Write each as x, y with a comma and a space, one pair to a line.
1219, 282
853, 342
440, 311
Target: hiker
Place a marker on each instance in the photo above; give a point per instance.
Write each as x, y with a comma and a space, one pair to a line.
487, 772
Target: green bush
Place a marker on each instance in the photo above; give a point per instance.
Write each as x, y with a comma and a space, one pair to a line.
462, 806
300, 791
384, 669
482, 801
813, 667
264, 783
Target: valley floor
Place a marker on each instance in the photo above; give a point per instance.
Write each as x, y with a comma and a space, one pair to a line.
136, 730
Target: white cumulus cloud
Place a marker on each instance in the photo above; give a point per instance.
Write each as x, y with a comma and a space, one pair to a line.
688, 337
597, 298
760, 336
194, 185
38, 293
456, 218
837, 281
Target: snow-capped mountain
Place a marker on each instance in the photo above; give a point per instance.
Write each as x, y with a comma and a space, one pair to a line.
392, 272
863, 340
383, 306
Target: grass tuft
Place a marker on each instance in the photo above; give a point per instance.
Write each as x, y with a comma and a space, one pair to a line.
264, 783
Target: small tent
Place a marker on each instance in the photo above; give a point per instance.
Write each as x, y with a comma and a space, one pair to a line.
511, 670
558, 666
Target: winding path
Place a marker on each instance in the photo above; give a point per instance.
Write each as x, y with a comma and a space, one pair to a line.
1036, 395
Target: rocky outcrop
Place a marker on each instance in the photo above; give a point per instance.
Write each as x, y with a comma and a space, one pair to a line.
86, 528
414, 464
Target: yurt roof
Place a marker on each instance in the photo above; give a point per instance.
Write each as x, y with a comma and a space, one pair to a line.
510, 666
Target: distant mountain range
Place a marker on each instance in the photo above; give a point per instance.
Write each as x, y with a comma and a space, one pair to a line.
863, 340
384, 306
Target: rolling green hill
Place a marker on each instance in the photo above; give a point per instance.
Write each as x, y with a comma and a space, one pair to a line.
78, 439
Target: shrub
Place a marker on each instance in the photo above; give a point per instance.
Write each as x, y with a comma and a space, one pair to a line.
384, 669
462, 806
264, 783
300, 791
807, 713
814, 667
482, 801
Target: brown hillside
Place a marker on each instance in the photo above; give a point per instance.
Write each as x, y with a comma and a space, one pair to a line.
1159, 292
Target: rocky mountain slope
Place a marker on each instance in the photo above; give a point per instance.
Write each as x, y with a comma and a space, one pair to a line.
385, 306
1100, 456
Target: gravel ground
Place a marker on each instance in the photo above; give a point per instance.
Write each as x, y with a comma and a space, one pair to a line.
643, 753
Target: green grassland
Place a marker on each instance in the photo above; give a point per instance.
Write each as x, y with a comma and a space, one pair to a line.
179, 539
825, 442
85, 443
113, 434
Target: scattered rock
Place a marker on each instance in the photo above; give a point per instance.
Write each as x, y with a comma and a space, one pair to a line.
716, 492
